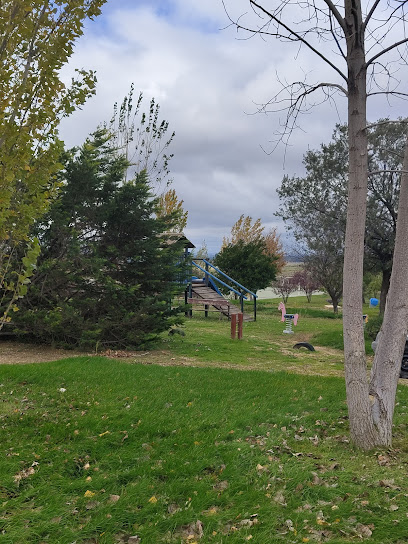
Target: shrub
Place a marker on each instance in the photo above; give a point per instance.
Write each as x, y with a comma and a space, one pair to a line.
373, 326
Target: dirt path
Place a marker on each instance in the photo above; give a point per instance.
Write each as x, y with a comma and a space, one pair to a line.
12, 353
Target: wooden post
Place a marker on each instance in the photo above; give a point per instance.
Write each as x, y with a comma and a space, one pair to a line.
240, 323
233, 326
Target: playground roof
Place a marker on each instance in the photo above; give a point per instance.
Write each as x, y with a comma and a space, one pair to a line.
173, 237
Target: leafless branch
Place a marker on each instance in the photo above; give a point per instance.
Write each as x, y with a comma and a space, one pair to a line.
395, 93
292, 35
370, 14
336, 14
386, 50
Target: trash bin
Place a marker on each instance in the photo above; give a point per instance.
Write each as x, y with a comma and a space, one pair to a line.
404, 362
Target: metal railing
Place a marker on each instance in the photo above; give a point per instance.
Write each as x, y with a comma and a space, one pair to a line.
209, 277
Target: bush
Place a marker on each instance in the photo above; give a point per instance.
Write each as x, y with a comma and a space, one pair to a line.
373, 326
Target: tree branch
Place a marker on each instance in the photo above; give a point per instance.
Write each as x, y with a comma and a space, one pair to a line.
381, 123
293, 33
336, 14
370, 14
393, 46
374, 172
388, 92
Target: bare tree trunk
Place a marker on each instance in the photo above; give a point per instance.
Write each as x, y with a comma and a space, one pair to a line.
393, 333
385, 286
362, 429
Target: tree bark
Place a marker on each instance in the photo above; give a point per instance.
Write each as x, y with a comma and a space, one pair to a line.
393, 333
362, 429
385, 286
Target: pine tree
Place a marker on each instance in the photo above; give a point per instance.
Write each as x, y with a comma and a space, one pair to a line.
107, 273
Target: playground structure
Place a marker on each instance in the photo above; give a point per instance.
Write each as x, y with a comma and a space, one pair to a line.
206, 292
289, 319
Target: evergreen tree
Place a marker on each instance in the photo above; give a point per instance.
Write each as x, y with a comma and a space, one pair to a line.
107, 272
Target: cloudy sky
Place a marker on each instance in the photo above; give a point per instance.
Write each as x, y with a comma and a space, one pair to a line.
207, 82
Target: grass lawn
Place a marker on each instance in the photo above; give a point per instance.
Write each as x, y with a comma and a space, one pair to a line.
264, 346
96, 450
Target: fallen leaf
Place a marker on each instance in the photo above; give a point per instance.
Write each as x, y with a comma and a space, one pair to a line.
152, 500
279, 498
210, 512
25, 473
383, 460
388, 483
113, 498
191, 531
221, 486
173, 508
89, 493
364, 530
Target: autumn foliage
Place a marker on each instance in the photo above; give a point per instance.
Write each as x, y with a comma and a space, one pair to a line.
247, 231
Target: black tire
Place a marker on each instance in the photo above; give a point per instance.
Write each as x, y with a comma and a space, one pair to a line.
304, 345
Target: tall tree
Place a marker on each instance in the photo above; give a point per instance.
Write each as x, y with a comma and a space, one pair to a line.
315, 206
274, 247
244, 229
247, 263
36, 39
339, 35
143, 138
170, 205
107, 271
247, 230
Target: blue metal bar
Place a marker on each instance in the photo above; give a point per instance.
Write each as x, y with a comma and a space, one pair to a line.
220, 281
228, 278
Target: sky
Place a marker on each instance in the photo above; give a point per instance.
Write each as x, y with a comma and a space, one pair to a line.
208, 82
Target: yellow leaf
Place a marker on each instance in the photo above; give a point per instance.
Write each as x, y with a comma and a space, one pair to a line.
103, 434
89, 493
153, 500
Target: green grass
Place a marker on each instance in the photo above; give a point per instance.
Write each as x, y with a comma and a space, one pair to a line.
249, 454
264, 346
95, 450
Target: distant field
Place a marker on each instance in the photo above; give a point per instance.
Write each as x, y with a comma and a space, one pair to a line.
291, 268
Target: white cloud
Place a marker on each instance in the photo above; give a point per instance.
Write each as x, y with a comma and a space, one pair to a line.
207, 83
